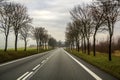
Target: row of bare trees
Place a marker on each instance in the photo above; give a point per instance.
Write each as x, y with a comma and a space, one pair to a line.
43, 39
14, 18
41, 36
88, 20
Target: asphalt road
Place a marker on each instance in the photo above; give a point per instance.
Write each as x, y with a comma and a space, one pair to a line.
52, 65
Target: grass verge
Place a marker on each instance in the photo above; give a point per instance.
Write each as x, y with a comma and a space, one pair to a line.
101, 61
12, 55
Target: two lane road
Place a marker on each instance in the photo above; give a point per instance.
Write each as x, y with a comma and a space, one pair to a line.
52, 65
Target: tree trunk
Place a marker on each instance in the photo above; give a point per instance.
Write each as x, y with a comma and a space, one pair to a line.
94, 43
37, 45
25, 45
46, 45
16, 40
70, 46
78, 46
40, 45
84, 45
6, 43
88, 46
110, 47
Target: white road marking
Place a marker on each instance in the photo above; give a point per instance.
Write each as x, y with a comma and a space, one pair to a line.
22, 76
41, 66
36, 67
84, 67
27, 76
43, 61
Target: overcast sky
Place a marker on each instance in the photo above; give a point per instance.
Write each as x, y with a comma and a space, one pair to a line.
51, 14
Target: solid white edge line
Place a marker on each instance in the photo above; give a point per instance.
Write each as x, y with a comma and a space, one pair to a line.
27, 76
84, 67
22, 76
36, 67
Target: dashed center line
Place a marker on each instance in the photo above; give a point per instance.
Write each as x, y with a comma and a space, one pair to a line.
43, 61
27, 76
36, 67
23, 76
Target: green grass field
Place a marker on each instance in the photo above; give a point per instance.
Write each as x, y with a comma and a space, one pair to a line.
101, 61
12, 55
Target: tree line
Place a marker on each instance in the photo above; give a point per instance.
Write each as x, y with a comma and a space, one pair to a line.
90, 19
14, 18
43, 39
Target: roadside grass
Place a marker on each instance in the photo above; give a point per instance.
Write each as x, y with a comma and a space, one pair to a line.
101, 61
12, 55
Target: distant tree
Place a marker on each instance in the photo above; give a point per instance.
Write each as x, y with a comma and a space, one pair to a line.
45, 39
69, 40
35, 33
75, 33
41, 36
59, 43
25, 33
52, 42
70, 37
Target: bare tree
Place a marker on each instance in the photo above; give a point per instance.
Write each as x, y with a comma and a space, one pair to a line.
36, 36
87, 24
41, 36
70, 35
45, 39
111, 11
52, 42
97, 16
5, 21
74, 29
19, 19
77, 16
82, 14
25, 33
69, 40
